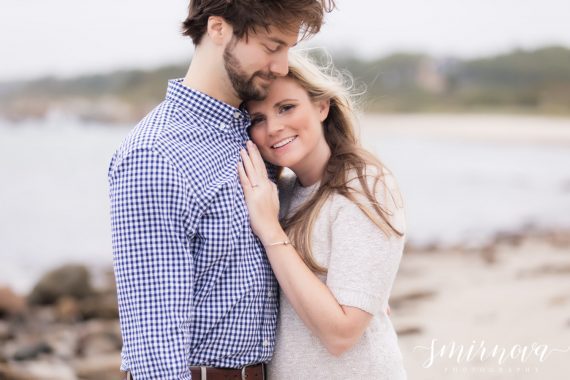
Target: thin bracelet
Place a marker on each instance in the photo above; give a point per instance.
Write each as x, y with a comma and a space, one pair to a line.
284, 242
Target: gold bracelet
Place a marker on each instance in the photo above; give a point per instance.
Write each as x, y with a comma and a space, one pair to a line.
284, 242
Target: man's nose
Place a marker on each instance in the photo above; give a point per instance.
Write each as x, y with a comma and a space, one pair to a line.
280, 64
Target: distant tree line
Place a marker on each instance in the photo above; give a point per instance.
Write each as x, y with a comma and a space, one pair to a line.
532, 81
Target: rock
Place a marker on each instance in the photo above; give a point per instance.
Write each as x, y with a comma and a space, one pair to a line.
559, 238
32, 351
402, 300
102, 306
6, 332
99, 338
63, 341
410, 330
48, 369
69, 280
99, 367
11, 304
489, 254
67, 309
94, 345
9, 373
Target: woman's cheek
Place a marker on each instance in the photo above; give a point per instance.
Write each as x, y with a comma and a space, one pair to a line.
256, 135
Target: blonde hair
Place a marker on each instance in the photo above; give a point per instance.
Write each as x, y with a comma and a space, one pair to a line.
348, 161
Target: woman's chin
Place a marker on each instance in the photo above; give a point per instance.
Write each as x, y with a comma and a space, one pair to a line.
280, 162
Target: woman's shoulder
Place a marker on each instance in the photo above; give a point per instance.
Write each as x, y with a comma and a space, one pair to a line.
382, 186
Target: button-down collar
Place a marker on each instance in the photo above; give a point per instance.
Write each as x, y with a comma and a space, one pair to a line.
217, 113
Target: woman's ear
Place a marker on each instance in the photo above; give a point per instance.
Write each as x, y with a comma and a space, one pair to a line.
324, 107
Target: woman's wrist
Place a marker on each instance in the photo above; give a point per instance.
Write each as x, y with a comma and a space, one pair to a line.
275, 237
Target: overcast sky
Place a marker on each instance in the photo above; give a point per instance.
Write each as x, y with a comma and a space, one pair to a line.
71, 37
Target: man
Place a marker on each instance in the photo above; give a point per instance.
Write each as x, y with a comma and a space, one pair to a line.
197, 298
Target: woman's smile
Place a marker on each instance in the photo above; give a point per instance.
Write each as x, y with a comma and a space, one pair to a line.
283, 143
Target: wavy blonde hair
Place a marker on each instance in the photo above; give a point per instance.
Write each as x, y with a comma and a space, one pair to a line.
348, 162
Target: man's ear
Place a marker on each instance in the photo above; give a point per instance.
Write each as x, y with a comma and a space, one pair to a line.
219, 31
324, 107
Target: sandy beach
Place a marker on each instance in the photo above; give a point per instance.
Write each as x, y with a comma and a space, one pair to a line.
513, 296
510, 129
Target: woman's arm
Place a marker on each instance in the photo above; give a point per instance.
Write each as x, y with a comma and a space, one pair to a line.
338, 327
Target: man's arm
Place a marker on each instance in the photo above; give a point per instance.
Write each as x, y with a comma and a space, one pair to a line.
152, 223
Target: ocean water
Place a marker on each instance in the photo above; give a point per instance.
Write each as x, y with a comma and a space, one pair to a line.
54, 197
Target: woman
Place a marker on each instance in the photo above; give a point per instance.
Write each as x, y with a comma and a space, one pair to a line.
339, 244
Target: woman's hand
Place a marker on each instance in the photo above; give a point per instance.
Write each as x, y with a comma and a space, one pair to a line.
260, 196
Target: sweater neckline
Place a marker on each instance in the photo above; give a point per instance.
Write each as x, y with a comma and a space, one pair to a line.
305, 191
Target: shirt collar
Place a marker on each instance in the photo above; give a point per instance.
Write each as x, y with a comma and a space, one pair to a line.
214, 111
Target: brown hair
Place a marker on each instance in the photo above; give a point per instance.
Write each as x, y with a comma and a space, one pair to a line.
351, 171
247, 15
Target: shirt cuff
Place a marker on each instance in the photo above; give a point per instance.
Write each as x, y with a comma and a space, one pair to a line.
359, 299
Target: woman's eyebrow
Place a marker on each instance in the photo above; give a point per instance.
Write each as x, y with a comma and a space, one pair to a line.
283, 101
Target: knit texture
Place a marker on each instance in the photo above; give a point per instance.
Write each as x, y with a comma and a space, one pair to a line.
362, 263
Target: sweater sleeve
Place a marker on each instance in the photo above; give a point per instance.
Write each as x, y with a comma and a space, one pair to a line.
364, 260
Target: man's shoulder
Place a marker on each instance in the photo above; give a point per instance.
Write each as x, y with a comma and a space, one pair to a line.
160, 130
144, 136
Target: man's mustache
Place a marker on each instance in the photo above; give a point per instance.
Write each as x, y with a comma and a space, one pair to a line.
268, 76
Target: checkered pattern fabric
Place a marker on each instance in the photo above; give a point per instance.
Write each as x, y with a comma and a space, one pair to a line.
194, 285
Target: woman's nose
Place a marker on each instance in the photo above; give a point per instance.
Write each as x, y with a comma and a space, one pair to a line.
274, 125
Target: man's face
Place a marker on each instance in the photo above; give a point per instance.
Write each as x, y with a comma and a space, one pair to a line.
254, 63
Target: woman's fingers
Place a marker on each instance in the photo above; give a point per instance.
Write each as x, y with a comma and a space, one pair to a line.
249, 168
245, 184
256, 159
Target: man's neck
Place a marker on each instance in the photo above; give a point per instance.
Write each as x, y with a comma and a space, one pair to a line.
207, 78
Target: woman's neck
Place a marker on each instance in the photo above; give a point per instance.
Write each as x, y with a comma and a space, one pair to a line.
311, 169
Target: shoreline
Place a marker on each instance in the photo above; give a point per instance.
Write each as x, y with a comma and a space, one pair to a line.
514, 294
557, 237
526, 129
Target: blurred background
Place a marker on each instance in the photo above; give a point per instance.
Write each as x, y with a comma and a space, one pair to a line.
467, 102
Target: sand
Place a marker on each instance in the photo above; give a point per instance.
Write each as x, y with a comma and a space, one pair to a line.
508, 296
477, 127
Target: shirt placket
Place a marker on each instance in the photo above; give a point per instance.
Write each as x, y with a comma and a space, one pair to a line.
269, 321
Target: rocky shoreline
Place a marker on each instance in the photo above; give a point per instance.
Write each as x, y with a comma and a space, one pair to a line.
66, 328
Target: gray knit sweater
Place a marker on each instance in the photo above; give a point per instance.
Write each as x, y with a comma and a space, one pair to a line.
362, 263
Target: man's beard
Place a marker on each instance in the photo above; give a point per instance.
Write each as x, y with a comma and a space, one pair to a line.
242, 84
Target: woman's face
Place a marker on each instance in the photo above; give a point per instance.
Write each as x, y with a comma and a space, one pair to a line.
287, 126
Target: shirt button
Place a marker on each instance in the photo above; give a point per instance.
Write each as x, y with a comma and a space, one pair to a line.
223, 125
265, 343
237, 115
270, 293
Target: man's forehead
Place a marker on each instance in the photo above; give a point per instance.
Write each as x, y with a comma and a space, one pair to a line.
287, 37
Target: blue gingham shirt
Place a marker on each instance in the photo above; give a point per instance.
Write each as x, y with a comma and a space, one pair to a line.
194, 285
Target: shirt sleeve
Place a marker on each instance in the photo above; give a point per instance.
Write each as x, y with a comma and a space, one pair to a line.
152, 221
364, 260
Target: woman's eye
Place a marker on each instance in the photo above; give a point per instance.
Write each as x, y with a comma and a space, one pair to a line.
256, 120
286, 107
